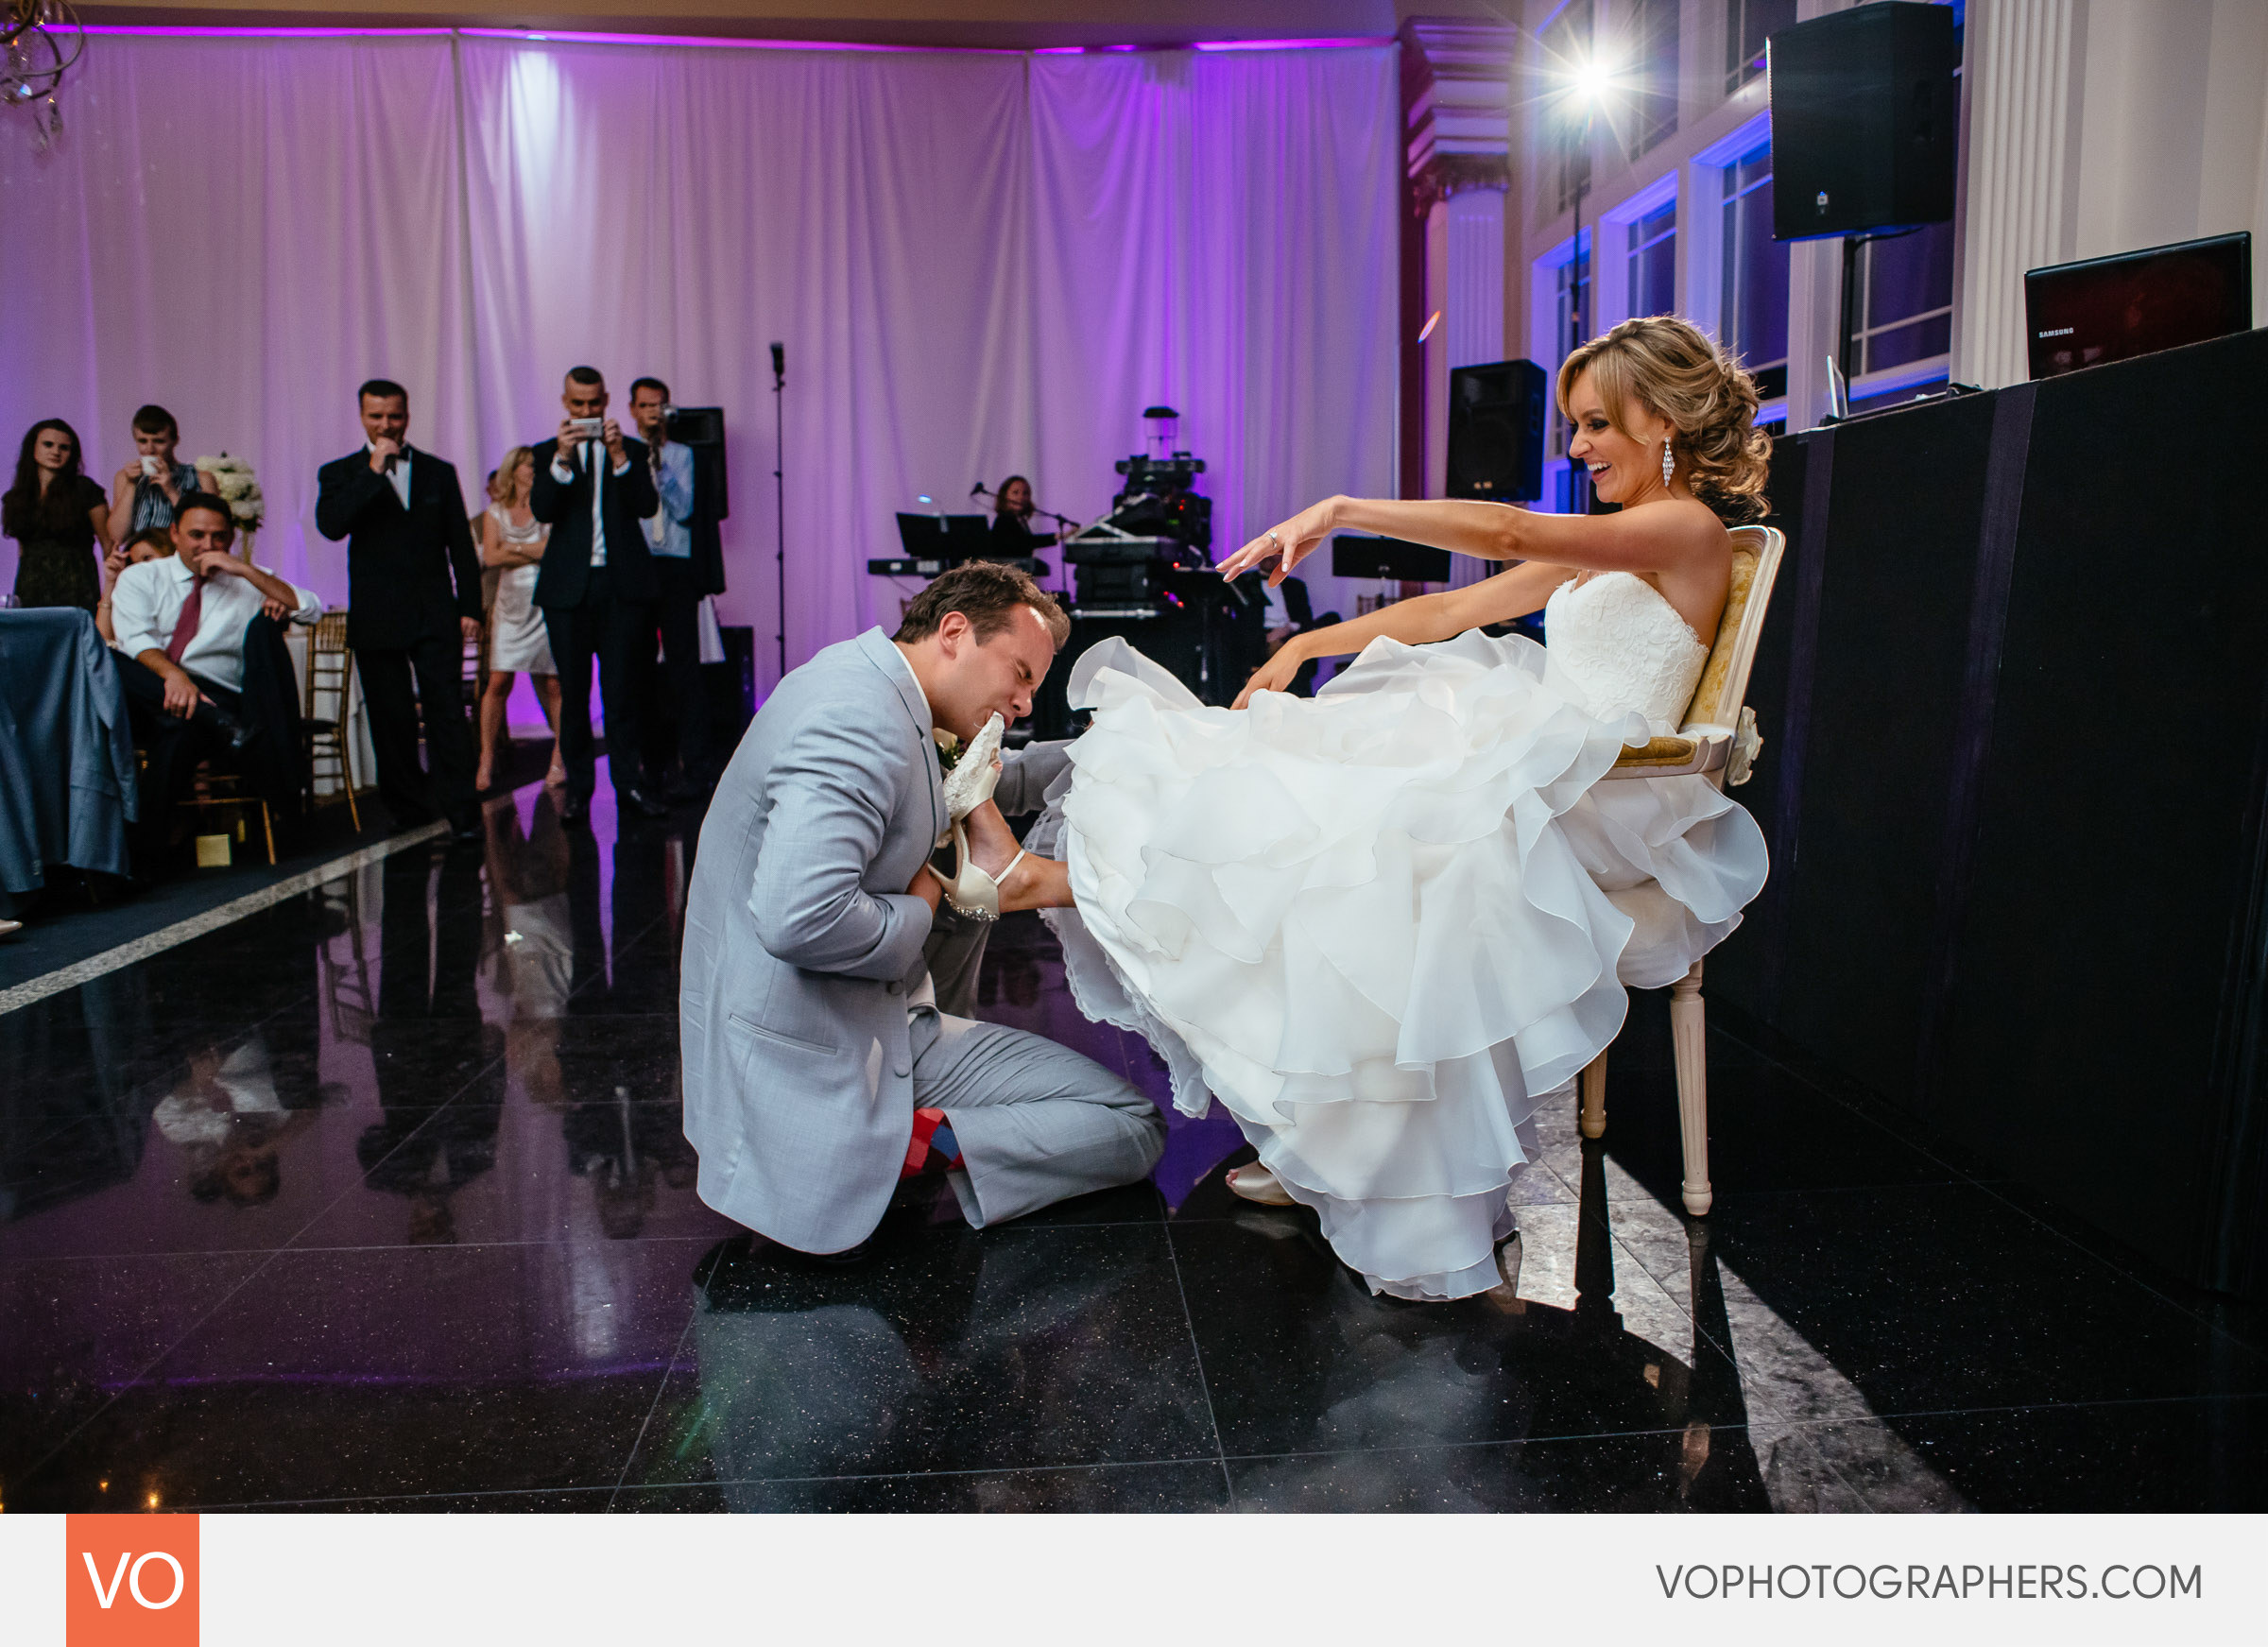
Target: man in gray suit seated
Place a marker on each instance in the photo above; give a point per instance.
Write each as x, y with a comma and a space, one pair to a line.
818, 1067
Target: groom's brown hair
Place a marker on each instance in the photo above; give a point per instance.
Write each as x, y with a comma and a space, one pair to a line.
985, 593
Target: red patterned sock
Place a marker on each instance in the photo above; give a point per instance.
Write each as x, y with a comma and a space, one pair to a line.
933, 1134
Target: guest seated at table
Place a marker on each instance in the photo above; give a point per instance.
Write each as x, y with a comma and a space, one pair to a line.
58, 517
202, 660
148, 487
152, 543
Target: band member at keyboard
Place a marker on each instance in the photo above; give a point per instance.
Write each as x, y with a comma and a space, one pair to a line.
1012, 510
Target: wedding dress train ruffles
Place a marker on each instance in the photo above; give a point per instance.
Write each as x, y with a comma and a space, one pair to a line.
1381, 925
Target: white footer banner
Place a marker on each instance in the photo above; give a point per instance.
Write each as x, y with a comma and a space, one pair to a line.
247, 1579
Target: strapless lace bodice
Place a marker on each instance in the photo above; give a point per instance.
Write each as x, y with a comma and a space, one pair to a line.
1618, 644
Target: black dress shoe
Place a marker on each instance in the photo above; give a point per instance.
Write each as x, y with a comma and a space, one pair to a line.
238, 733
641, 802
574, 808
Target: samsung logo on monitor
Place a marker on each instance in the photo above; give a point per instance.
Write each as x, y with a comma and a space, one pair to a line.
2059, 332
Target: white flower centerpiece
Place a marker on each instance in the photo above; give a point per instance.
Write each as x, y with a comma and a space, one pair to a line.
240, 489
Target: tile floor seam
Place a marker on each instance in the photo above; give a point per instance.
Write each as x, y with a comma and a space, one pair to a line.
254, 1273
915, 1475
660, 1388
251, 1275
1196, 1349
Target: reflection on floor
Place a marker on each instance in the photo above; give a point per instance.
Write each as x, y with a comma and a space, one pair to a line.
377, 1197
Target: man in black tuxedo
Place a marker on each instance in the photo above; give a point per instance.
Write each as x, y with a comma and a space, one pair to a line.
594, 488
413, 583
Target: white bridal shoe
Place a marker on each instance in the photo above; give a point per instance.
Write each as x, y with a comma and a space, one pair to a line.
968, 786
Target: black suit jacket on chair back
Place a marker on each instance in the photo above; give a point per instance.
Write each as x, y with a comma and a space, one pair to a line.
411, 573
707, 509
627, 500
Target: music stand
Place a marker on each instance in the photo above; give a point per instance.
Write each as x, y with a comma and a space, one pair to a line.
952, 538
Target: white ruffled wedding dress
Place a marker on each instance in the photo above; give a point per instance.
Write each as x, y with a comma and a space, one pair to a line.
1382, 924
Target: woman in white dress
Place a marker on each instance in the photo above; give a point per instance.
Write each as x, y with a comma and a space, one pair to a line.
1382, 925
512, 537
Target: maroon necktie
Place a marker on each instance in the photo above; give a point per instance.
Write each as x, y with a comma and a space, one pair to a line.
184, 626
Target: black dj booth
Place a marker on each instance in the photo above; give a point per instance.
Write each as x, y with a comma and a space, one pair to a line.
2014, 693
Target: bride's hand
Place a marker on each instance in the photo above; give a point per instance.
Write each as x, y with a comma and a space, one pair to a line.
1273, 675
1287, 543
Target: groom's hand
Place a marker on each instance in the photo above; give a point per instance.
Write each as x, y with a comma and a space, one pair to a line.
927, 887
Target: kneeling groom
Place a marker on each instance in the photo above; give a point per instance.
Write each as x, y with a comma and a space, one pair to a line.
818, 1066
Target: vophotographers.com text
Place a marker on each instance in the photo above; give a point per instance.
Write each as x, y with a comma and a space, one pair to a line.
1886, 1581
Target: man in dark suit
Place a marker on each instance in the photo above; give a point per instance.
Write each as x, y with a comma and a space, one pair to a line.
594, 488
413, 583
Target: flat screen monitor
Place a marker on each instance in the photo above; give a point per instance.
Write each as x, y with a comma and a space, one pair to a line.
1358, 554
952, 538
2114, 308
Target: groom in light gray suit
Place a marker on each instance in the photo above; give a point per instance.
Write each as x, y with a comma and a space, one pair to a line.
809, 1019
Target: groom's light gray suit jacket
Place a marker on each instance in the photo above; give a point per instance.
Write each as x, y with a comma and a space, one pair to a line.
801, 945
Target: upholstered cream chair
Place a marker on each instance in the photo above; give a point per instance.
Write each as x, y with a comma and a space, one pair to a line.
1717, 741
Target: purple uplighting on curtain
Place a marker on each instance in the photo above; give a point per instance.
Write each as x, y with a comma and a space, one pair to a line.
979, 263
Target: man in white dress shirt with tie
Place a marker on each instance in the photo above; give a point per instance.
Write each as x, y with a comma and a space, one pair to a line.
201, 659
594, 488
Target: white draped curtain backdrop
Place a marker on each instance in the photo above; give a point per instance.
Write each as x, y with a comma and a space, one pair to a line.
979, 263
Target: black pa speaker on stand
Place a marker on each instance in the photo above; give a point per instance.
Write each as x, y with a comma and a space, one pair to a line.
1866, 117
1495, 416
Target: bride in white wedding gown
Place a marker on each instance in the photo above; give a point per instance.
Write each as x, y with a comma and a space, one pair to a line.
1381, 925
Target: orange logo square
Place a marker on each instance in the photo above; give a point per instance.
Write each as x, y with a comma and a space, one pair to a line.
130, 1581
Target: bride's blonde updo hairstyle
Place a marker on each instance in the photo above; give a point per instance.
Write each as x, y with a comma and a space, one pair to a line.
1671, 368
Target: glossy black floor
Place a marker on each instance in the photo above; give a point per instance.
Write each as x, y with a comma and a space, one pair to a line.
378, 1199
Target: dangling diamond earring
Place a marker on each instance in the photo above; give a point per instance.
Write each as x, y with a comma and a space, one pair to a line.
1668, 463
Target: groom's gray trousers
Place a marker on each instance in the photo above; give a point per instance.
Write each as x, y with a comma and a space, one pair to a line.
806, 1016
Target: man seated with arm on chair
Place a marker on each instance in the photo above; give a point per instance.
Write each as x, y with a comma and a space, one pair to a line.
202, 660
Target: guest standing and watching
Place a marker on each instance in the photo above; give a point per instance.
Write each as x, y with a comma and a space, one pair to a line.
594, 487
56, 516
202, 660
148, 488
1012, 535
511, 542
688, 563
413, 600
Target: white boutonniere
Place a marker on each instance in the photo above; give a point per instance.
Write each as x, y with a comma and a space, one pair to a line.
949, 750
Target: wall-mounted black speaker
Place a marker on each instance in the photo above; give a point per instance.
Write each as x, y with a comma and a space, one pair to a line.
1865, 119
1496, 431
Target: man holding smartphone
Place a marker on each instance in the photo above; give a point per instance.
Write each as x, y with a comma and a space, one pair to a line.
594, 488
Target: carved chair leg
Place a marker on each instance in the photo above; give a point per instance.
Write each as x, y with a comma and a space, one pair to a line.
1593, 1119
1689, 1035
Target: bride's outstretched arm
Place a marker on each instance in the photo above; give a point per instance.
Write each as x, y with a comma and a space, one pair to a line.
1643, 541
1429, 617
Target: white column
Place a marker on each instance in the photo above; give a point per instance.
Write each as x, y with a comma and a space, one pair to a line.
2020, 97
1465, 282
1458, 80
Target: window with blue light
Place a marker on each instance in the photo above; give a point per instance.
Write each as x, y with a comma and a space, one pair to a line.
1753, 320
1651, 262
